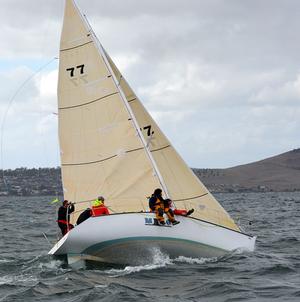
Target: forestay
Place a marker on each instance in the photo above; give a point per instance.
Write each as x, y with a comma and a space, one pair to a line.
101, 151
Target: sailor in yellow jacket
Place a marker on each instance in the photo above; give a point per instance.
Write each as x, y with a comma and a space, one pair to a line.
99, 207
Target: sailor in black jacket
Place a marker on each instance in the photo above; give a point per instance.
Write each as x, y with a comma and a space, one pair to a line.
160, 206
63, 217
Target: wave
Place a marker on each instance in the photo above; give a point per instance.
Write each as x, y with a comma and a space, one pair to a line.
159, 260
52, 264
6, 261
195, 260
22, 279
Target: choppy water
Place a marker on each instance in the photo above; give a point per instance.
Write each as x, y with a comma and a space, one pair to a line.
271, 273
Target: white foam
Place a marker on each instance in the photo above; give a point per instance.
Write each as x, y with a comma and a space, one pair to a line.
239, 251
12, 280
101, 286
6, 261
195, 260
5, 280
51, 264
159, 259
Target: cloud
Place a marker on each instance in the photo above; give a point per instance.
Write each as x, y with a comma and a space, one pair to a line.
221, 78
28, 123
286, 93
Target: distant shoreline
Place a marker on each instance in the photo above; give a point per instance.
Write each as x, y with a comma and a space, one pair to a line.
280, 173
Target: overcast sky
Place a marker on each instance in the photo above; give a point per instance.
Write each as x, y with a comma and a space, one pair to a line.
221, 78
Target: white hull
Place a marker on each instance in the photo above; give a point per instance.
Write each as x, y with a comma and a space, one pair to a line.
130, 238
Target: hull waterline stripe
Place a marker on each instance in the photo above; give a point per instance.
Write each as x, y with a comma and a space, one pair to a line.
195, 197
84, 104
76, 46
109, 243
101, 160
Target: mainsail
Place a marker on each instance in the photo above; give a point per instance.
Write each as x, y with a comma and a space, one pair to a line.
101, 153
109, 143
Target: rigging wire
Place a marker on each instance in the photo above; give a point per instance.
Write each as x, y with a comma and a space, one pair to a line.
9, 106
127, 106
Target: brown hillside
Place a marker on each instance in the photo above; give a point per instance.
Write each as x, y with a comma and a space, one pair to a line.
278, 173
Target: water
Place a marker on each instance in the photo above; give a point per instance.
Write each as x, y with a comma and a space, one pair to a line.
271, 273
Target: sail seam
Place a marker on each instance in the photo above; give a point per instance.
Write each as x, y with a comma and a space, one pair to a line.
137, 149
167, 146
195, 197
75, 106
76, 46
101, 160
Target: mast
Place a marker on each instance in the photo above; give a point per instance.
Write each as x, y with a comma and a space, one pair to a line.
127, 106
135, 123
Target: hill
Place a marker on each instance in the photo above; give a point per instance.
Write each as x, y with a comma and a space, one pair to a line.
30, 182
277, 173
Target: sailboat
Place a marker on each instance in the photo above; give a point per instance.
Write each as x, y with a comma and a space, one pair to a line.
111, 146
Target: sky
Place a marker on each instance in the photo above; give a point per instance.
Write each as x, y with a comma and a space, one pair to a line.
220, 77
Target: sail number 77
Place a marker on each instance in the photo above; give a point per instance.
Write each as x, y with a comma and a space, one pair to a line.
72, 70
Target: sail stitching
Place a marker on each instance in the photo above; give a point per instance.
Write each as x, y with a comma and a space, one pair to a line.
167, 146
195, 197
101, 160
76, 46
69, 107
131, 100
137, 149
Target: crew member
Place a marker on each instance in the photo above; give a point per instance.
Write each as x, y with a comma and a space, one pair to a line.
63, 218
180, 212
86, 214
99, 207
158, 205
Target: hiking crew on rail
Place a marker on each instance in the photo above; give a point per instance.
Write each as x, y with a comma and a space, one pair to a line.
159, 206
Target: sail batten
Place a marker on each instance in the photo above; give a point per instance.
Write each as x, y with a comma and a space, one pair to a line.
161, 148
80, 45
101, 160
90, 102
190, 197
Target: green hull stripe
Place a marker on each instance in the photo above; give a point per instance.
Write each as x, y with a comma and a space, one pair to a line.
102, 245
